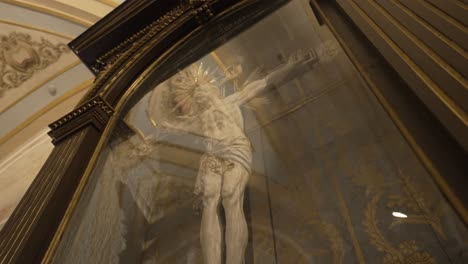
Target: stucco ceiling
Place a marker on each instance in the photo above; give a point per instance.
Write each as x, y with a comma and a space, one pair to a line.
40, 78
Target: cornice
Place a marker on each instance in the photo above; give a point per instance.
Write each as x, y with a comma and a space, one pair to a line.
32, 27
118, 26
105, 41
95, 111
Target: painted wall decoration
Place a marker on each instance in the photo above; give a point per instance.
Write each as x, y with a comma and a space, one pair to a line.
30, 58
21, 57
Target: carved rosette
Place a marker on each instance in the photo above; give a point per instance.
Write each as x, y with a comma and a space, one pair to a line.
21, 57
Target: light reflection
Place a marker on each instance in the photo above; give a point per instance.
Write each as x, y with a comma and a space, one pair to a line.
399, 215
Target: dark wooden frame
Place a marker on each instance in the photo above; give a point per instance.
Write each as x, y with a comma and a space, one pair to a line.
136, 43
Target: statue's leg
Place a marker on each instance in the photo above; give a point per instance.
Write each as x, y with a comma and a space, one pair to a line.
209, 184
235, 180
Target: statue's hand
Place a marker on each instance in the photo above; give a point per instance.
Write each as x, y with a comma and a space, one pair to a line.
298, 64
233, 72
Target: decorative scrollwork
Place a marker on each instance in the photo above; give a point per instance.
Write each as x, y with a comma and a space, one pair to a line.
21, 57
427, 210
405, 252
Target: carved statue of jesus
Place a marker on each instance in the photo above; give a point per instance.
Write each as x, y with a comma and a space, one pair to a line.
191, 103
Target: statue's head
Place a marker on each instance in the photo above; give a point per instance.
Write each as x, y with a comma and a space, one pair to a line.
191, 89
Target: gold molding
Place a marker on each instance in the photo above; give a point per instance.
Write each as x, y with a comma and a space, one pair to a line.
449, 42
425, 160
44, 10
46, 109
218, 60
449, 69
435, 89
30, 27
443, 15
41, 84
82, 110
110, 3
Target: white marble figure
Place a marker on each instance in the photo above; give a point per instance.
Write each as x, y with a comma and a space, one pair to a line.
190, 102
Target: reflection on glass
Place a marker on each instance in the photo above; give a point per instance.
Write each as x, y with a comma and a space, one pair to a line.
399, 215
268, 150
191, 103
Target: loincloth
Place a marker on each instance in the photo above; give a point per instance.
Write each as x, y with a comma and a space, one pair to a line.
236, 150
221, 158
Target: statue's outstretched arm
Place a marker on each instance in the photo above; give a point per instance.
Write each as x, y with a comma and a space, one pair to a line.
297, 65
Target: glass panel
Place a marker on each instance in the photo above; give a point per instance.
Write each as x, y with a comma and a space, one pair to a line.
269, 149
